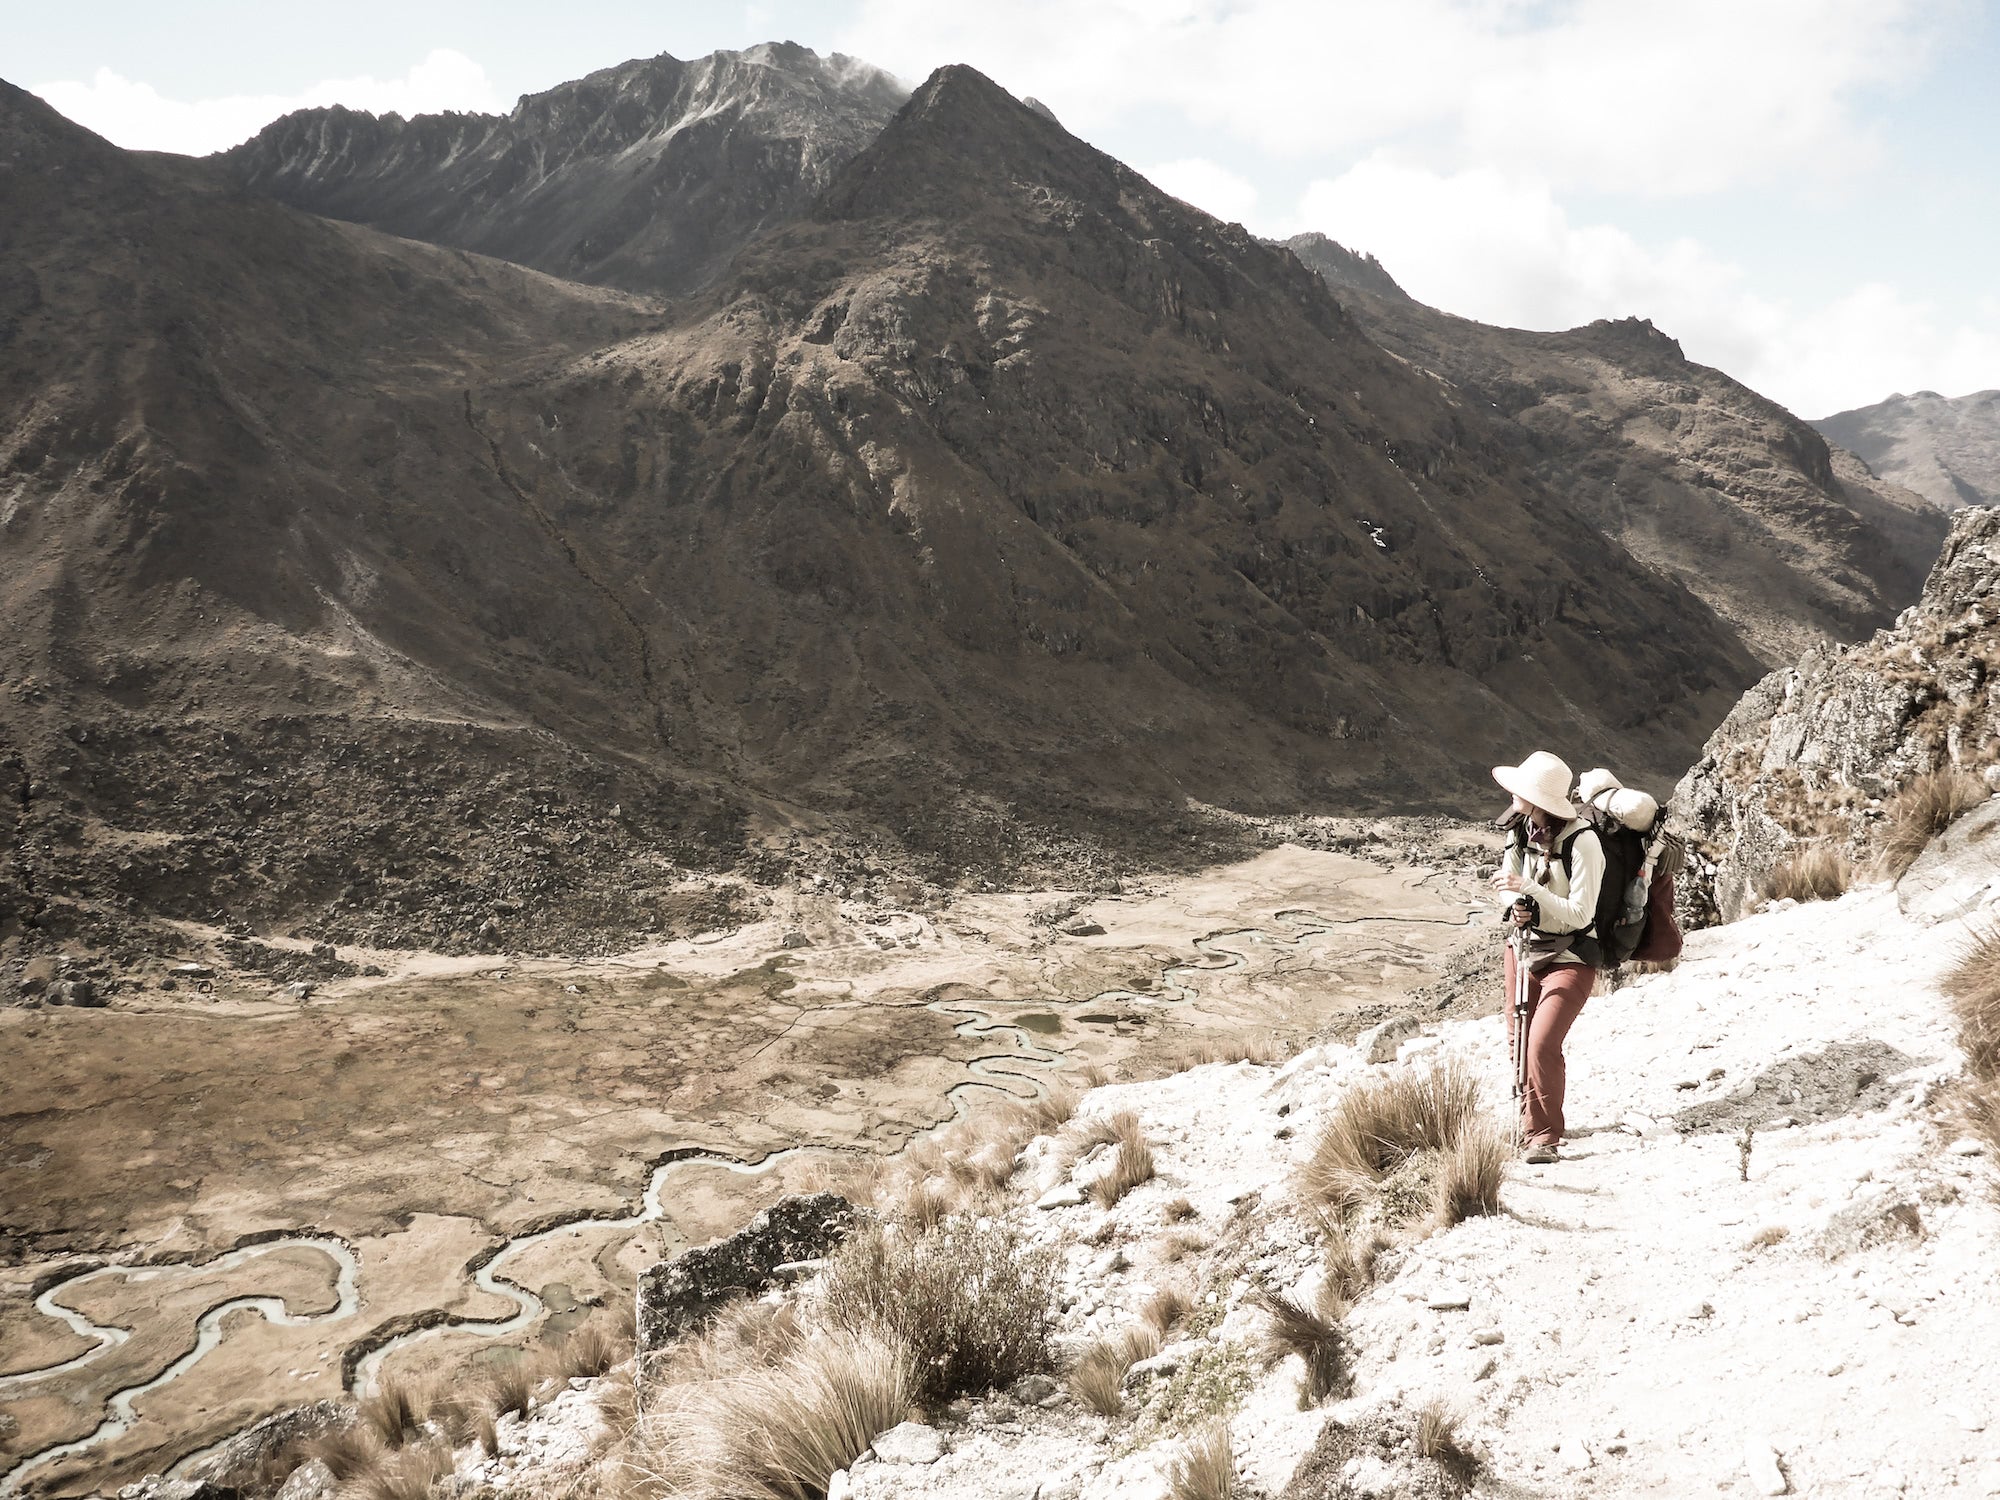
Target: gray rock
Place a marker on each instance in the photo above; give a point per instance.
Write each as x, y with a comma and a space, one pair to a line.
1959, 870
1378, 1043
1033, 1390
795, 940
679, 1295
910, 1443
1449, 1299
1761, 1462
311, 1480
1488, 1336
1080, 926
1062, 1195
234, 1466
1880, 1220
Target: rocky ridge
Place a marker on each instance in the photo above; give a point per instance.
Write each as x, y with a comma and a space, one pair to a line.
1814, 750
648, 176
1946, 449
1788, 540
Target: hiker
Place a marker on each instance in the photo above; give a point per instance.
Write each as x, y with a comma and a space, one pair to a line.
1555, 899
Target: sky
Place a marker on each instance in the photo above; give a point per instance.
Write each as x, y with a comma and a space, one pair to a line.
1806, 193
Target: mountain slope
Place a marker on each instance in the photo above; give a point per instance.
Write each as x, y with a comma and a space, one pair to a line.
646, 176
1693, 473
1946, 449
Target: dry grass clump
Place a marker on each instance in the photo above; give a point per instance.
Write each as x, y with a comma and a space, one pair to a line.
1923, 810
346, 1451
1095, 1075
974, 1307
1437, 1439
1097, 1379
1205, 1469
1349, 1263
1973, 985
1166, 1307
776, 1431
1265, 1048
1818, 872
967, 1167
1381, 1125
390, 1413
407, 1473
510, 1387
1132, 1165
1179, 1210
1311, 1334
1765, 1238
1470, 1172
1182, 1243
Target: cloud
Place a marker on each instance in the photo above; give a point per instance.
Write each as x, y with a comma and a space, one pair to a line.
137, 116
1601, 94
1503, 249
1211, 188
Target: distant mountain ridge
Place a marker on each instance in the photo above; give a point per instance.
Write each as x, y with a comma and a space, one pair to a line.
1945, 448
647, 176
1694, 473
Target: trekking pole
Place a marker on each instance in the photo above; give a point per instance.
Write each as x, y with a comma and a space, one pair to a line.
1524, 1015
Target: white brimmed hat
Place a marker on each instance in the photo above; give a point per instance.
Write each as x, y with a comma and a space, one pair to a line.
1542, 780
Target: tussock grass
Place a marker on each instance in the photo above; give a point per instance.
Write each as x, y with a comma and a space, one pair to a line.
486, 1432
776, 1431
1380, 1125
1765, 1238
1206, 1468
1054, 1109
1132, 1165
1818, 872
390, 1413
1470, 1171
1097, 1378
1095, 1075
1179, 1210
1921, 811
1437, 1439
346, 1451
1182, 1243
406, 1473
1349, 1263
974, 1307
1165, 1308
1973, 986
1308, 1333
1265, 1048
509, 1387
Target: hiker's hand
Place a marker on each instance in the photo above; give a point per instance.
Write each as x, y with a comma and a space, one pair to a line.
1507, 883
1521, 914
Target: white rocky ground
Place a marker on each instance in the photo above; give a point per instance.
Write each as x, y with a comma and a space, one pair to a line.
1619, 1330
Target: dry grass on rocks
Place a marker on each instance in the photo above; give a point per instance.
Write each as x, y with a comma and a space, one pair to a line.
1973, 986
1348, 1263
1921, 811
1437, 1439
390, 1413
1380, 1125
1206, 1468
1265, 1048
1312, 1333
1179, 1210
1181, 1244
405, 1474
346, 1451
776, 1430
1097, 1378
1818, 872
1165, 1308
1470, 1172
973, 1306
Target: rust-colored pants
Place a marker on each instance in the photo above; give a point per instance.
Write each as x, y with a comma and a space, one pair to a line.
1557, 993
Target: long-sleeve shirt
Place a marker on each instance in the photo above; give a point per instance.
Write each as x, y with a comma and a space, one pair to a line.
1568, 902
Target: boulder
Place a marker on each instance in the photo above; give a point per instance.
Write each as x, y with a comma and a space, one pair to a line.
910, 1443
236, 1464
677, 1296
1378, 1043
1959, 873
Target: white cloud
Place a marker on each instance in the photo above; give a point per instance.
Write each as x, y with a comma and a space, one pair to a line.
1604, 94
1503, 250
137, 116
1211, 188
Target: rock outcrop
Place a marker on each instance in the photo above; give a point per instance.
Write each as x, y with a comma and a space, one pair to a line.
1947, 449
677, 1296
1791, 542
1813, 751
647, 176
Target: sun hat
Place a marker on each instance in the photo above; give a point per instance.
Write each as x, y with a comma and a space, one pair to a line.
1542, 780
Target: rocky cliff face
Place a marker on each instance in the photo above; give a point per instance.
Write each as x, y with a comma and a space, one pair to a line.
1947, 450
1697, 476
646, 176
1814, 749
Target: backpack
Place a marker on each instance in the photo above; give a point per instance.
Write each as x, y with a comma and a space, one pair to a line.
1635, 903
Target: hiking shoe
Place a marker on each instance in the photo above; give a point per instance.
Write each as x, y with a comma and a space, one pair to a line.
1541, 1154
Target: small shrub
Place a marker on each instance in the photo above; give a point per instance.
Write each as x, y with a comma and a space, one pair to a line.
1379, 1126
1923, 810
780, 1431
390, 1413
1306, 1332
1205, 1469
1818, 872
1179, 1210
1164, 1309
1470, 1172
1097, 1379
1182, 1243
1437, 1439
974, 1306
